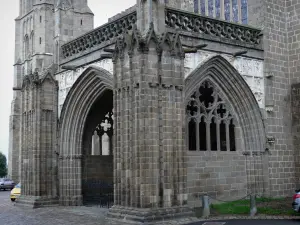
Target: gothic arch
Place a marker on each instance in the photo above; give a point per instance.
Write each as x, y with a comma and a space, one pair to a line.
236, 91
90, 85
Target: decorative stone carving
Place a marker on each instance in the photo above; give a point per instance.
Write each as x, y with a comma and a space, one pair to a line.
98, 36
250, 69
68, 78
195, 23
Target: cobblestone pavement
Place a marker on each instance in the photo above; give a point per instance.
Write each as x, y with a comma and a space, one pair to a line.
13, 215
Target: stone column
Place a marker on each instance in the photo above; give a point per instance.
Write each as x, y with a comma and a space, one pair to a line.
150, 165
38, 141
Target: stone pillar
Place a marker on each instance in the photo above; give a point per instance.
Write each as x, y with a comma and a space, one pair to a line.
14, 139
38, 141
150, 167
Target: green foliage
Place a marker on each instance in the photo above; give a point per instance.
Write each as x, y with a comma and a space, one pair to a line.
3, 165
265, 206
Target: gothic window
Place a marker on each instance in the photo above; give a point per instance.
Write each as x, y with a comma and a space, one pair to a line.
196, 6
102, 138
210, 8
235, 11
244, 11
210, 124
202, 7
26, 46
218, 9
227, 9
32, 42
230, 10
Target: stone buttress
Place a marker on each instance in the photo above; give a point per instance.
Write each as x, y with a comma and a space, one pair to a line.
38, 141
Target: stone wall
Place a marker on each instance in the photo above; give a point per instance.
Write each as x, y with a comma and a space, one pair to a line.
293, 45
278, 121
225, 176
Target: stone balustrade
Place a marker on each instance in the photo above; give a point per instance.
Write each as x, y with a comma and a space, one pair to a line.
99, 35
190, 22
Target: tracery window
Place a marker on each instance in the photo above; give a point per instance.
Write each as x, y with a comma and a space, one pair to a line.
102, 138
210, 124
230, 10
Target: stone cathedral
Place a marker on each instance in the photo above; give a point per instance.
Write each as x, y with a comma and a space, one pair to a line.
167, 101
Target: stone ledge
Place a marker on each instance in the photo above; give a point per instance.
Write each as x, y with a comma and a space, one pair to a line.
148, 216
36, 202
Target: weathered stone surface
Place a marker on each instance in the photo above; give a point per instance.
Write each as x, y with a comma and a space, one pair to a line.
253, 69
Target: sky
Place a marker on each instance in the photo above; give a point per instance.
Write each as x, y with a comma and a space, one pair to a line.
103, 9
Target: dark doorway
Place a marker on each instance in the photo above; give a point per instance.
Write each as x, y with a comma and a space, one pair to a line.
97, 162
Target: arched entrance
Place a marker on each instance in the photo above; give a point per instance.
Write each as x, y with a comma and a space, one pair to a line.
97, 161
86, 163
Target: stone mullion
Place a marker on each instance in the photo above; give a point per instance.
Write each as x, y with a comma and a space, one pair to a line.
227, 135
222, 10
198, 120
218, 135
214, 9
239, 11
206, 8
208, 144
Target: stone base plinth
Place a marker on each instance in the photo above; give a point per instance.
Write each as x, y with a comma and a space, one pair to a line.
36, 201
148, 216
75, 200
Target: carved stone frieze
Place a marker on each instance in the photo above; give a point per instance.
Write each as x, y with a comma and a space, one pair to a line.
191, 22
99, 35
251, 70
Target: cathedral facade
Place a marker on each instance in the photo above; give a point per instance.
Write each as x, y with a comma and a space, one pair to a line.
168, 101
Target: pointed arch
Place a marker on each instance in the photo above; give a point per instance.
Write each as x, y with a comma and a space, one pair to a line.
88, 88
237, 92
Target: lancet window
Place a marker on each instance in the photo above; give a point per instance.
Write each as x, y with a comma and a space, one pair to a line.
210, 123
102, 138
230, 10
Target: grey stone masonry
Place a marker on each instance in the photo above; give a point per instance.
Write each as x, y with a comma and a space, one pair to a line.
38, 141
150, 167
